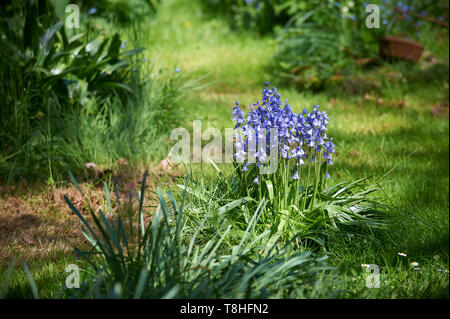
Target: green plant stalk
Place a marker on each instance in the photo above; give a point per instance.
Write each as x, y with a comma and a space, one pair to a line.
305, 197
274, 180
297, 185
325, 179
286, 183
317, 162
49, 147
260, 183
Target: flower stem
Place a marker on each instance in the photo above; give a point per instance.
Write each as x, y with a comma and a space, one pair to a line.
317, 177
305, 197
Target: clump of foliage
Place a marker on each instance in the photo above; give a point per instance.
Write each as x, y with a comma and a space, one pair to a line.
70, 94
321, 42
315, 45
159, 260
325, 41
122, 11
299, 199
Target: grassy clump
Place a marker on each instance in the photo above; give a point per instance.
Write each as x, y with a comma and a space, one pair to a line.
163, 260
73, 96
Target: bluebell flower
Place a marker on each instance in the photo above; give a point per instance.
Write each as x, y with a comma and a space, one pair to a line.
256, 181
238, 115
177, 70
284, 151
300, 136
123, 45
92, 10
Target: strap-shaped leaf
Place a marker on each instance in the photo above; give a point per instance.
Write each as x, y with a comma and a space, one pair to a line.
269, 186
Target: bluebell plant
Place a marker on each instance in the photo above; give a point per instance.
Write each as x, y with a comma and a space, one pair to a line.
296, 192
303, 151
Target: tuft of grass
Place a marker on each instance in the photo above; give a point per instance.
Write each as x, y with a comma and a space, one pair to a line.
159, 260
73, 98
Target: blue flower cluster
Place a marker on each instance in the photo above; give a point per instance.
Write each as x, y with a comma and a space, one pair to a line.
300, 136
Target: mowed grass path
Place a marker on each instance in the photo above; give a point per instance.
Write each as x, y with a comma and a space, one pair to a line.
406, 148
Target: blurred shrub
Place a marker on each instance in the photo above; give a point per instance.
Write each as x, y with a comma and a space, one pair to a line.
122, 11
161, 259
259, 16
265, 16
49, 75
320, 44
326, 41
322, 41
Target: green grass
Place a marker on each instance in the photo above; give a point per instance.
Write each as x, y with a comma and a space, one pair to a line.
52, 123
409, 143
408, 147
49, 277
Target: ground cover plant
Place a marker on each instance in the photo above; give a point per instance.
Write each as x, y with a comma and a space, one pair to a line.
162, 262
299, 199
71, 92
225, 230
320, 42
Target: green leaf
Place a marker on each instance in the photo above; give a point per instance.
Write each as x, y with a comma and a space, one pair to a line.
270, 189
228, 207
114, 86
92, 46
8, 277
110, 68
47, 38
34, 289
132, 52
141, 203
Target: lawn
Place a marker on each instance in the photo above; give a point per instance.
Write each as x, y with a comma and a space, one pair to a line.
396, 135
